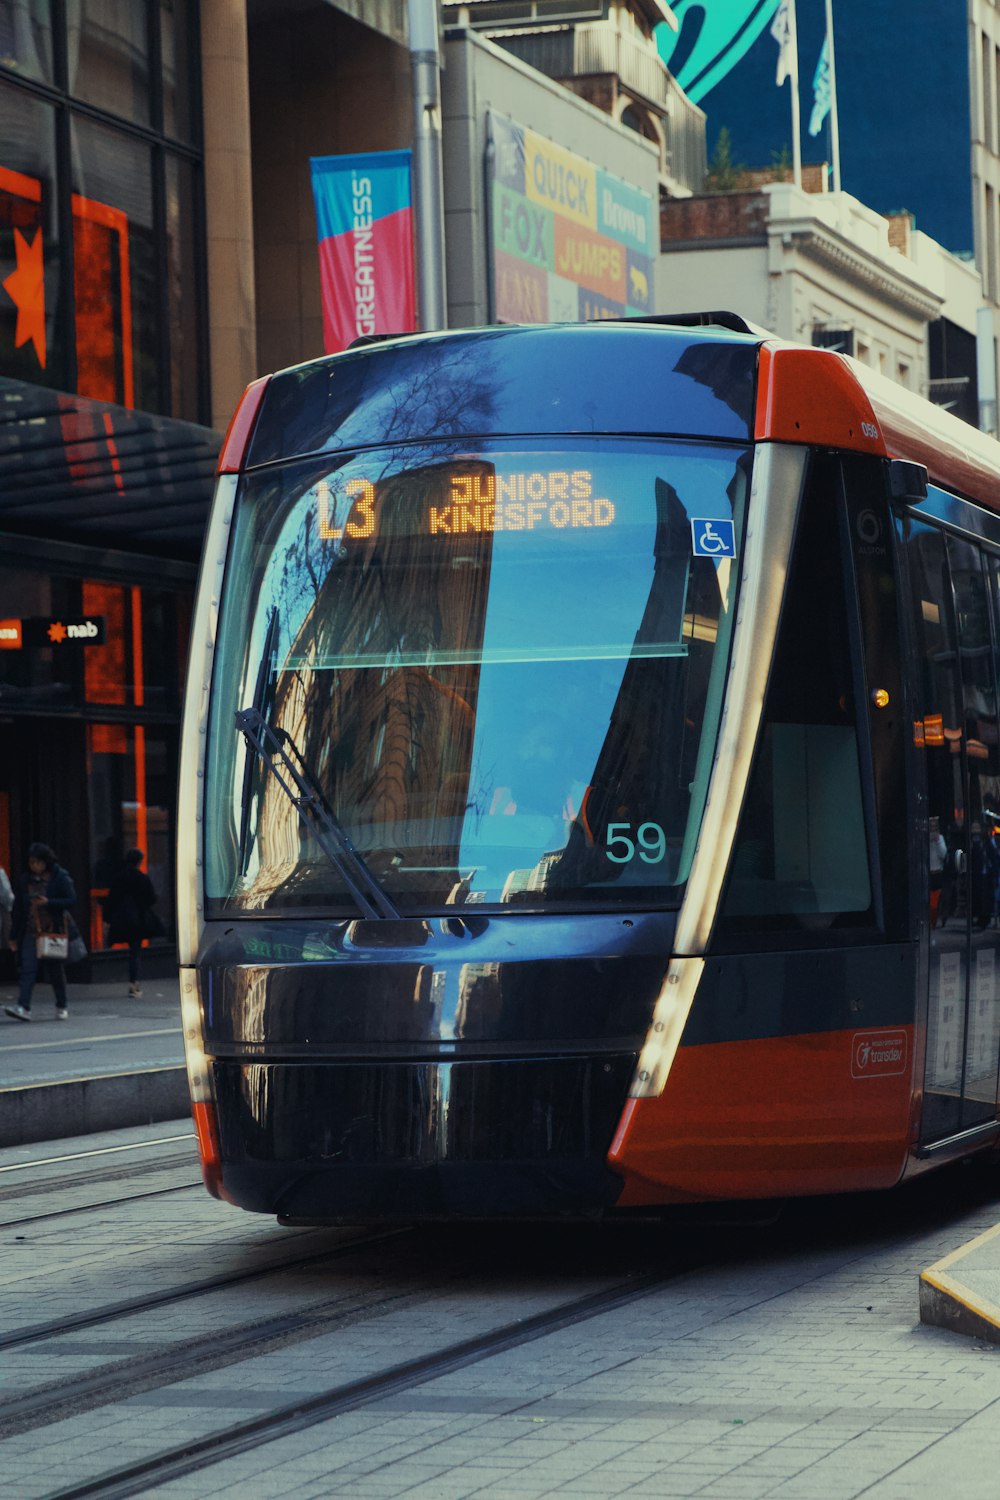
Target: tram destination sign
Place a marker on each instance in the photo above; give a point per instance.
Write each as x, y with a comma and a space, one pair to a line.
556, 499
50, 631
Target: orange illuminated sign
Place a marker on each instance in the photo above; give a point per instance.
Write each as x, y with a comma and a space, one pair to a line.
519, 501
10, 635
102, 289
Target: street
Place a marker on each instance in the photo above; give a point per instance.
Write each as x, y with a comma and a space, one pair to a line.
157, 1342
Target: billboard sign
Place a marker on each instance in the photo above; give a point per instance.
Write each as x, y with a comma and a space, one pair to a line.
568, 240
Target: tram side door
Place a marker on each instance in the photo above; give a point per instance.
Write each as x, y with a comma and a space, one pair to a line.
958, 729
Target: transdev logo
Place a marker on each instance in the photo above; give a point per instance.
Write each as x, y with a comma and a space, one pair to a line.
878, 1054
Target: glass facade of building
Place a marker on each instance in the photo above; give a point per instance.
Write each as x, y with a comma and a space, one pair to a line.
100, 184
105, 477
90, 684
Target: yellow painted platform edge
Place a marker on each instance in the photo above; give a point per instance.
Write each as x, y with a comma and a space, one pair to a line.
963, 1250
981, 1307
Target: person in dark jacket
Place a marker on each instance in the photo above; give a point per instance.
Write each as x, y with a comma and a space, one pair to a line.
128, 907
42, 900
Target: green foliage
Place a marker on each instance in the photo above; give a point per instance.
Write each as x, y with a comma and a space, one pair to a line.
723, 173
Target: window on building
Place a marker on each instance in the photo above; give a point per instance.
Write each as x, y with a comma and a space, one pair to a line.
110, 61
32, 344
26, 38
825, 336
101, 263
988, 138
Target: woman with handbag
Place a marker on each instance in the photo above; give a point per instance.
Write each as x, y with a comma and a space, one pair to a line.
40, 929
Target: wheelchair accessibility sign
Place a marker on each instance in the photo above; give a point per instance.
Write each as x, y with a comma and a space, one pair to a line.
711, 538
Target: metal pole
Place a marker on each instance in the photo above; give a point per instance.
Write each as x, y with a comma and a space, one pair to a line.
794, 80
425, 72
834, 127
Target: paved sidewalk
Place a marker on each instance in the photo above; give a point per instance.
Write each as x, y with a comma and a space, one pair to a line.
115, 1062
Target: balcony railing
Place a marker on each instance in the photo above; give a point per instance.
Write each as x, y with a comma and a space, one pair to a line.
602, 48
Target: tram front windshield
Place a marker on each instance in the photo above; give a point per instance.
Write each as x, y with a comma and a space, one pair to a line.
501, 668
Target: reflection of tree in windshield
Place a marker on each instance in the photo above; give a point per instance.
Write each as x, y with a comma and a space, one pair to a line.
400, 393
725, 371
391, 740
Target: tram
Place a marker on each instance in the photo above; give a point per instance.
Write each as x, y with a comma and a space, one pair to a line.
590, 777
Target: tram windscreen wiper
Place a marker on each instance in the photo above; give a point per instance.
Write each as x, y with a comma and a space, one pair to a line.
261, 697
283, 759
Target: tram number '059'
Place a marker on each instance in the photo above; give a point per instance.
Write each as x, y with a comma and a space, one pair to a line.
651, 839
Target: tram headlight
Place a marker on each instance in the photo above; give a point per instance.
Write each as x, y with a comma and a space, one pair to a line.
199, 1074
199, 1077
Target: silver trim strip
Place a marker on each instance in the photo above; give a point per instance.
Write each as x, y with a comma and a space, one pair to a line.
775, 495
194, 731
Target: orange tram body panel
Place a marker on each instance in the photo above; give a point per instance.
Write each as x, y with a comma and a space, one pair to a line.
770, 1119
593, 780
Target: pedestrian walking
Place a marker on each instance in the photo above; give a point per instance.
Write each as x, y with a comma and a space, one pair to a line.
40, 930
128, 907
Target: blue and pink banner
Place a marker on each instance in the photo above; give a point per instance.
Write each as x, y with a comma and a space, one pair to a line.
363, 216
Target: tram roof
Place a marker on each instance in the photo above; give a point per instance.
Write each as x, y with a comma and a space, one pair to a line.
723, 378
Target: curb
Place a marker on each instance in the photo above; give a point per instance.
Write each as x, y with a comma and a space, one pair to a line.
83, 1106
946, 1302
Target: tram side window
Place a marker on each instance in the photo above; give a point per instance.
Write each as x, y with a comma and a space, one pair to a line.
801, 855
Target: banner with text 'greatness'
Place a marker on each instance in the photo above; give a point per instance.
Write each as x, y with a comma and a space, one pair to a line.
364, 224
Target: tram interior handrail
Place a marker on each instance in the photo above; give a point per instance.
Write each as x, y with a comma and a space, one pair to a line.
276, 749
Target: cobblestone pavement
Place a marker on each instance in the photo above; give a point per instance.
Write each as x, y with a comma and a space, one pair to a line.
793, 1367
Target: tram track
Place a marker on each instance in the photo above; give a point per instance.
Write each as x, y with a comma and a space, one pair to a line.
48, 1184
229, 1442
110, 1173
134, 1306
84, 1208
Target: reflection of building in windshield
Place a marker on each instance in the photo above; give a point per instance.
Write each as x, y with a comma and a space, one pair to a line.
389, 740
725, 371
645, 766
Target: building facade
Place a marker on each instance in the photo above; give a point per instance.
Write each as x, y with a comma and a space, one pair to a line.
106, 453
822, 268
606, 52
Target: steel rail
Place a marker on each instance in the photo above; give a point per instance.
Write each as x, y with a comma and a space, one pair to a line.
229, 1442
129, 1306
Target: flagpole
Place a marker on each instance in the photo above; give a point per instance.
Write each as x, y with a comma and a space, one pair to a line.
834, 127
793, 73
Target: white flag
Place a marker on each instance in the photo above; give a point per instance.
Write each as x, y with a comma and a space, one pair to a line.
821, 90
781, 30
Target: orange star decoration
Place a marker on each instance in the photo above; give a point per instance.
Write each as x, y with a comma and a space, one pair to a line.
56, 632
26, 289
